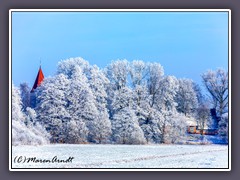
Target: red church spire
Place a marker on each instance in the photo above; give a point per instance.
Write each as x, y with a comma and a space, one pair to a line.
38, 80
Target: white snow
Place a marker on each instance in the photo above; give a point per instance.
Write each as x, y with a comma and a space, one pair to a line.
124, 156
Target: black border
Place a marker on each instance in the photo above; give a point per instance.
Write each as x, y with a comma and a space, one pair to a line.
5, 5
125, 10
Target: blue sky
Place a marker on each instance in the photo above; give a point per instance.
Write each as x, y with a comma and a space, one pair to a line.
186, 44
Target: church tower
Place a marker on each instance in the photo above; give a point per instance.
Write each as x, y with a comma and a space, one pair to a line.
37, 83
38, 80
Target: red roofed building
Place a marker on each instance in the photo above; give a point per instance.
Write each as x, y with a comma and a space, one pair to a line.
37, 83
38, 80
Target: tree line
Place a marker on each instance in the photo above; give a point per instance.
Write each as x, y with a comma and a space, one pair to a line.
124, 103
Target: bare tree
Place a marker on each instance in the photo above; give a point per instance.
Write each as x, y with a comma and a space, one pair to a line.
216, 83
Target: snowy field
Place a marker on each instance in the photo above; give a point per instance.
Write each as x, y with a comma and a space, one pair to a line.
122, 156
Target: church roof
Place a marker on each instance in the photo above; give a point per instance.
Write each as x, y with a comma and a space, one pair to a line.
38, 80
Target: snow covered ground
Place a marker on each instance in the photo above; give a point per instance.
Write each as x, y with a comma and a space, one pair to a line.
121, 156
206, 139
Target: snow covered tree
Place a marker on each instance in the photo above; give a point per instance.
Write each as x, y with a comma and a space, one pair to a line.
201, 98
223, 127
82, 103
154, 102
152, 126
139, 72
51, 106
31, 116
150, 120
67, 66
76, 132
175, 128
122, 101
25, 135
87, 97
36, 127
166, 94
165, 104
147, 117
216, 83
186, 97
140, 98
98, 83
122, 98
154, 81
25, 95
126, 129
117, 73
66, 107
22, 134
17, 114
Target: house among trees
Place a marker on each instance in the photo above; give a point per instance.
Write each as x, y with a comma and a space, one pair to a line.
194, 128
